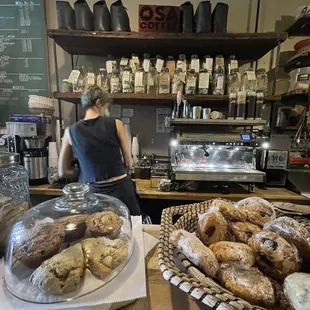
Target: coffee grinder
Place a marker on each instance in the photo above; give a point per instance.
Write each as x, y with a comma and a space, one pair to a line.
30, 141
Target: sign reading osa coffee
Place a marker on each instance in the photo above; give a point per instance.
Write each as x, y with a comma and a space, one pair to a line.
156, 18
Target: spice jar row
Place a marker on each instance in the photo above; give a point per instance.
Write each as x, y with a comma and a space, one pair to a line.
159, 76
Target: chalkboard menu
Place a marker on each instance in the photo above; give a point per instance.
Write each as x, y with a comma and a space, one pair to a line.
23, 55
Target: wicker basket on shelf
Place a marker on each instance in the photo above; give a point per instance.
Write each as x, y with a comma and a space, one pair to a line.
182, 273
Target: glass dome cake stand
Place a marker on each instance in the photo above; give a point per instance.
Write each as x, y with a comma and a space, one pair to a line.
68, 247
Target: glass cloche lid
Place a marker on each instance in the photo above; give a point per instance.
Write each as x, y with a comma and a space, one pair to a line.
68, 247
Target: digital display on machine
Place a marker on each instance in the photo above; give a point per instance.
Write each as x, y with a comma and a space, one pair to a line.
245, 137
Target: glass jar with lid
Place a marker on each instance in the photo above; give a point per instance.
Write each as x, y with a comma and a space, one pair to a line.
90, 77
14, 193
262, 81
191, 82
234, 81
115, 84
203, 83
164, 81
152, 79
140, 85
48, 246
177, 83
103, 81
79, 84
127, 80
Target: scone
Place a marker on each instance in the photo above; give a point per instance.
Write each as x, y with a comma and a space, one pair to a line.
243, 231
257, 210
35, 245
277, 258
194, 250
103, 255
106, 223
228, 210
297, 290
293, 232
212, 227
225, 251
247, 283
62, 273
74, 226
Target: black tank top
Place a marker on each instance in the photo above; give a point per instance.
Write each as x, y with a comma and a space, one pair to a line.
96, 145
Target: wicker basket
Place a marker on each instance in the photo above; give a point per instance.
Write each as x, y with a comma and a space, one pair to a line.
193, 281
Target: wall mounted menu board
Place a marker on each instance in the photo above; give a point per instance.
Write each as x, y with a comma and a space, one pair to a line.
23, 55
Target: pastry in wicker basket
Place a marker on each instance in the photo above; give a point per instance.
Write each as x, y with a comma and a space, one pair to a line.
293, 232
226, 251
193, 249
258, 211
277, 257
243, 231
297, 290
212, 227
247, 283
228, 210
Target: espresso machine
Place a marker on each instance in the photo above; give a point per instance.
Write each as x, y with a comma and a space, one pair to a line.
217, 158
30, 140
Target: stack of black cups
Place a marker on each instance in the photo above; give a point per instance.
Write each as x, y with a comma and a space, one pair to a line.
203, 21
82, 18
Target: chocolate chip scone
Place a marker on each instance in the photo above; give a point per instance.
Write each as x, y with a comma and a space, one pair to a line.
34, 245
106, 223
103, 255
62, 273
74, 225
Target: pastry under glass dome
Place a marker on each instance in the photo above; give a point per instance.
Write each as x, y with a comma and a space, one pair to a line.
68, 247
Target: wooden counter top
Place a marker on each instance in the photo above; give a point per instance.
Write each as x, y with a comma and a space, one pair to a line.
240, 192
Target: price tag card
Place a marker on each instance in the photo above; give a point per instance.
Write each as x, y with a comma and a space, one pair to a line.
139, 79
124, 61
251, 75
74, 75
146, 65
195, 64
136, 60
109, 66
159, 64
204, 80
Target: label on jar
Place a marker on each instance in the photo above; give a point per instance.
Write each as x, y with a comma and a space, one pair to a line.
208, 64
233, 64
126, 76
159, 64
146, 65
251, 75
74, 75
303, 77
135, 59
241, 97
219, 61
259, 105
124, 61
114, 81
150, 81
191, 82
90, 79
109, 66
204, 79
132, 66
220, 82
182, 65
195, 64
98, 80
139, 79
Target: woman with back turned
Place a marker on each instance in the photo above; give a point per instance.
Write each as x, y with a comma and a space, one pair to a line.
99, 143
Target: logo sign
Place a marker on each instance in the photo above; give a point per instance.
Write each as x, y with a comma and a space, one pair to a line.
156, 18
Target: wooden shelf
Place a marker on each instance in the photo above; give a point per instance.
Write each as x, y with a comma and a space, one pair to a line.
143, 99
245, 46
297, 61
225, 122
295, 96
301, 26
